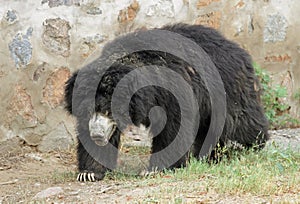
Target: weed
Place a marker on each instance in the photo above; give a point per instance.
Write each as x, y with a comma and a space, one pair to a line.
297, 95
276, 109
62, 177
266, 172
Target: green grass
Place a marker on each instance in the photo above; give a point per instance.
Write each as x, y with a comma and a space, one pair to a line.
267, 172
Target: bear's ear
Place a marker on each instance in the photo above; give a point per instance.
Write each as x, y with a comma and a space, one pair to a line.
69, 92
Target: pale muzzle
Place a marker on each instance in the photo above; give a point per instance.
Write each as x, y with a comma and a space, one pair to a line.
101, 128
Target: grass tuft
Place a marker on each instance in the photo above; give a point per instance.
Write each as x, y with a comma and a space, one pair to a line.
266, 172
63, 176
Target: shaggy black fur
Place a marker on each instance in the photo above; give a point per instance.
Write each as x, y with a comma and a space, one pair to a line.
245, 120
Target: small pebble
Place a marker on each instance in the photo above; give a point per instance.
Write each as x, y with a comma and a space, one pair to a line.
49, 192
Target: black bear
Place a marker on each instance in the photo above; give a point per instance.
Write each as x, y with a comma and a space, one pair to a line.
245, 121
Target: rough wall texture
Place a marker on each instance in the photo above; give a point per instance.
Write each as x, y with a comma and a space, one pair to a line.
43, 41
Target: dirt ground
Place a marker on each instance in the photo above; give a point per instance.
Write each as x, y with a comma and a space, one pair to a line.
25, 176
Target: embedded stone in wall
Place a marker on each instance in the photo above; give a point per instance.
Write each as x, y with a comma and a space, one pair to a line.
91, 8
278, 58
34, 136
203, 3
275, 29
56, 3
239, 5
94, 11
32, 139
211, 19
90, 44
129, 14
162, 8
20, 105
38, 72
56, 36
53, 92
11, 16
96, 39
58, 139
21, 49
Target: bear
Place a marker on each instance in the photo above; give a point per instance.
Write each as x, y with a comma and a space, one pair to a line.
244, 120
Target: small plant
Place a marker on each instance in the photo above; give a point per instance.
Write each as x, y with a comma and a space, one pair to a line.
276, 109
297, 95
62, 177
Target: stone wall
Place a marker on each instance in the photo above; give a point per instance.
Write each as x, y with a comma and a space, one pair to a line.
43, 41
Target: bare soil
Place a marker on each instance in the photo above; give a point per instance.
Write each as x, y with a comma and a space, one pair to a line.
24, 175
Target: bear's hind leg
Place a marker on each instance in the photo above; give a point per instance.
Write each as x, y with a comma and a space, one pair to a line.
164, 160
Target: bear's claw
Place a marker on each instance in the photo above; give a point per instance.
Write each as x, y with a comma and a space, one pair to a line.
83, 177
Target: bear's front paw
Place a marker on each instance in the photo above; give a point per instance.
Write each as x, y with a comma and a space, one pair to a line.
149, 173
88, 176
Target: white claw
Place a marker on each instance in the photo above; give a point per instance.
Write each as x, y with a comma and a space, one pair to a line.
78, 177
84, 177
93, 177
89, 176
144, 173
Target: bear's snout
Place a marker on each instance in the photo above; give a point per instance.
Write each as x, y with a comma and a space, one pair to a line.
101, 128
